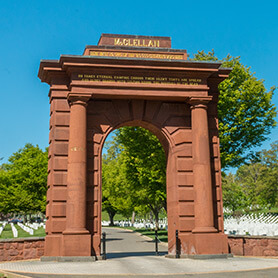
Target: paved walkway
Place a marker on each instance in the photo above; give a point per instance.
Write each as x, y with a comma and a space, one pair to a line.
132, 255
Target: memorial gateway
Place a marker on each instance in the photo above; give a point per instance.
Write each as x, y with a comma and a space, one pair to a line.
133, 81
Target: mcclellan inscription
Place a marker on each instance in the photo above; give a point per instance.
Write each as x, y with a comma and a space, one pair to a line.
136, 42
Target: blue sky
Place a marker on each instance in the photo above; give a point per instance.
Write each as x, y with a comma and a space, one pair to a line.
35, 30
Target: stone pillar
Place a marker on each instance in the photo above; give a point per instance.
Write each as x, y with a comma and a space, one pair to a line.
76, 238
204, 222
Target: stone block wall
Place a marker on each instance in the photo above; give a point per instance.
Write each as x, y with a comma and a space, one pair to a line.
253, 245
21, 249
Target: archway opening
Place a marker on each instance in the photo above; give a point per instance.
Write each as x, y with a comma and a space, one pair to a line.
134, 194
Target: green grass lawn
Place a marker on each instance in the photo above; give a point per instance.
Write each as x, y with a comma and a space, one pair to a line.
117, 217
7, 232
162, 234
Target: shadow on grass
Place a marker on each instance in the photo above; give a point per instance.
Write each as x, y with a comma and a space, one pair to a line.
162, 234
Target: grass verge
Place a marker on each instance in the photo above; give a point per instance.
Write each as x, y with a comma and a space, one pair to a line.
7, 232
162, 234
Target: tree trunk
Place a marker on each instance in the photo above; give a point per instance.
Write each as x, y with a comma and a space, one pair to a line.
165, 205
156, 215
151, 216
133, 218
111, 217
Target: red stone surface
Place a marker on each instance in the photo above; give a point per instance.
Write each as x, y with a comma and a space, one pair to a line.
136, 47
175, 100
21, 249
253, 246
134, 41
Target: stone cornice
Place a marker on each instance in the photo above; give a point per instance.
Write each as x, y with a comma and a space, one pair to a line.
64, 72
68, 63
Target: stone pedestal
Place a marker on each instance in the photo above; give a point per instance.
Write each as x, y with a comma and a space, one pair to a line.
211, 243
205, 237
76, 238
201, 167
77, 244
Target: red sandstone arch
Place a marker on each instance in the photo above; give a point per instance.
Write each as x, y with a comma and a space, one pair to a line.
182, 115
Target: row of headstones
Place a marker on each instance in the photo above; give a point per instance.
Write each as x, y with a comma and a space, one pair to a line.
29, 228
35, 226
139, 224
252, 224
261, 217
2, 227
14, 230
248, 224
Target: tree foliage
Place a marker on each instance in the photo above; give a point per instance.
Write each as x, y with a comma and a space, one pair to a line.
115, 189
23, 181
134, 172
233, 196
246, 113
268, 188
255, 185
145, 163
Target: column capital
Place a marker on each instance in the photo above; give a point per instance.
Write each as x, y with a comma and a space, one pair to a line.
199, 102
81, 99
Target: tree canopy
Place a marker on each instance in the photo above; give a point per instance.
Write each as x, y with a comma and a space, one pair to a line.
246, 113
255, 185
115, 188
23, 181
134, 172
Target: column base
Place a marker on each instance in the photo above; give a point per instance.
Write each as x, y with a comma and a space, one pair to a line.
204, 230
53, 245
76, 245
203, 244
206, 244
79, 231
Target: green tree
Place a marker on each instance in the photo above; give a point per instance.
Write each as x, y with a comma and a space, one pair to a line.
145, 168
233, 195
249, 177
257, 181
268, 188
23, 181
115, 188
246, 114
